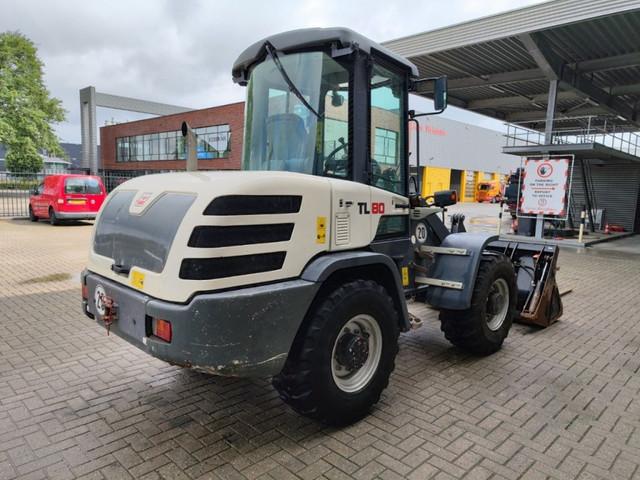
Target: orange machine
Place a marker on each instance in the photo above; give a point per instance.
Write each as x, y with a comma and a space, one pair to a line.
489, 191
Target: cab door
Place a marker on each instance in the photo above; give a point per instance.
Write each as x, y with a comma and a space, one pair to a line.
388, 141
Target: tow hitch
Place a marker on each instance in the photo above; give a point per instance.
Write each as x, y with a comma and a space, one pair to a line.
106, 304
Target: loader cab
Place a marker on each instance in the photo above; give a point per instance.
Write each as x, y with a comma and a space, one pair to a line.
327, 102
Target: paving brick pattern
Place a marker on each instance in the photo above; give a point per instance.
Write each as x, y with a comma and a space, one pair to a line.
557, 403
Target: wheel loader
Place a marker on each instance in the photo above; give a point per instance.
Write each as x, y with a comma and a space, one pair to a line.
300, 265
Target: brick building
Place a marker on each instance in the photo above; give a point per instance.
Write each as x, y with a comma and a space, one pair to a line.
156, 144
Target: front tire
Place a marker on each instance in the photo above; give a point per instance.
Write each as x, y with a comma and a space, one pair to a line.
482, 328
343, 356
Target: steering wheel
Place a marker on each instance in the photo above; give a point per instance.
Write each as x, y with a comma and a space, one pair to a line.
333, 164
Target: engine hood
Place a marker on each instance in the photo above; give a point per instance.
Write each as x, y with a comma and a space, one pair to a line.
218, 182
172, 235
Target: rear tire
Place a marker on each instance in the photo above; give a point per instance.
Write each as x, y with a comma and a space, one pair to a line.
343, 355
53, 219
32, 216
482, 328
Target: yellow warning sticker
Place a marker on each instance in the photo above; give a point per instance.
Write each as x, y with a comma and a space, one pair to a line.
321, 230
405, 276
137, 279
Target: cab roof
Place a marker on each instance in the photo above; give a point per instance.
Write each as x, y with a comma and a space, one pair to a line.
308, 38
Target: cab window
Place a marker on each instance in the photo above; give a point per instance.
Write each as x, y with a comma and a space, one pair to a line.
307, 132
387, 123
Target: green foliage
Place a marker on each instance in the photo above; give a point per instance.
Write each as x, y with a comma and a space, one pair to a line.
23, 156
26, 109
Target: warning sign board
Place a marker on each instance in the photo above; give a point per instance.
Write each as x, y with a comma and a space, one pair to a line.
544, 186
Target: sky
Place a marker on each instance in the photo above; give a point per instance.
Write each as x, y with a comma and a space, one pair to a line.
181, 52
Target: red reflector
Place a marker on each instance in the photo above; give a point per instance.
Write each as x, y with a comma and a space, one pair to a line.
162, 329
85, 292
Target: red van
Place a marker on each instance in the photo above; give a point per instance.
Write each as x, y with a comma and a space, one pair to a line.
67, 197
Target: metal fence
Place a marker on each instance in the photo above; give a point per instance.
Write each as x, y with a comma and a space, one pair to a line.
17, 188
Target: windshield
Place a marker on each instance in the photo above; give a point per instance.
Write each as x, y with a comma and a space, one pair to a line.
282, 132
82, 185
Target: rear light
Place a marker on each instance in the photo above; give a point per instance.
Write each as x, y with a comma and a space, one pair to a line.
85, 291
162, 329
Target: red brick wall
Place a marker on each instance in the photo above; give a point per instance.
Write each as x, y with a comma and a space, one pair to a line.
232, 114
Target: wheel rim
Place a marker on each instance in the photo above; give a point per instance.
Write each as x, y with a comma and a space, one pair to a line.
497, 304
356, 353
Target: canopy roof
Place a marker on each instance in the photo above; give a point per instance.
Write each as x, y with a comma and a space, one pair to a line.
501, 65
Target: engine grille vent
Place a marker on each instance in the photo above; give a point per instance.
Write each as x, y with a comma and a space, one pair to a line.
253, 205
343, 229
213, 236
223, 267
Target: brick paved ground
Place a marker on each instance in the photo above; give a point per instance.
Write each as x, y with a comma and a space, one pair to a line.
561, 403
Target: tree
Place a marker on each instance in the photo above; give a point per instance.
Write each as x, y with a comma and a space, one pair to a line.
27, 111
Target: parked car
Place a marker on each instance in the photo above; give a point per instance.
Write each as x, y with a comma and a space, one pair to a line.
67, 197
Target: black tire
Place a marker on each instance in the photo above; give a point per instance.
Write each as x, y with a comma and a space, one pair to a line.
469, 329
32, 216
306, 382
53, 219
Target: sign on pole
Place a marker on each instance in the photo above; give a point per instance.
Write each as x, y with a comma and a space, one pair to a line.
545, 185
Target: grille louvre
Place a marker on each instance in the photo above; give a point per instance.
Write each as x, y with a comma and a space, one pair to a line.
214, 236
253, 205
224, 267
343, 229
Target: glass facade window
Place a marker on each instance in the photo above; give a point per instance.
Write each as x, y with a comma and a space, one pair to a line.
386, 146
213, 142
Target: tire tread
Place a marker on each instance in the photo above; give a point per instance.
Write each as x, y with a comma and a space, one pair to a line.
294, 383
464, 328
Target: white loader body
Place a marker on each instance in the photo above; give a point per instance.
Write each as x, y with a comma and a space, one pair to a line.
333, 215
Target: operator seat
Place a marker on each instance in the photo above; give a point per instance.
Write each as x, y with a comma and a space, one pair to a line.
286, 141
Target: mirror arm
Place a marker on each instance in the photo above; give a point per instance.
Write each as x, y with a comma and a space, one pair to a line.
437, 112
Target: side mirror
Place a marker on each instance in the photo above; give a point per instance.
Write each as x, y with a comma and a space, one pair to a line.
440, 93
444, 198
336, 99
